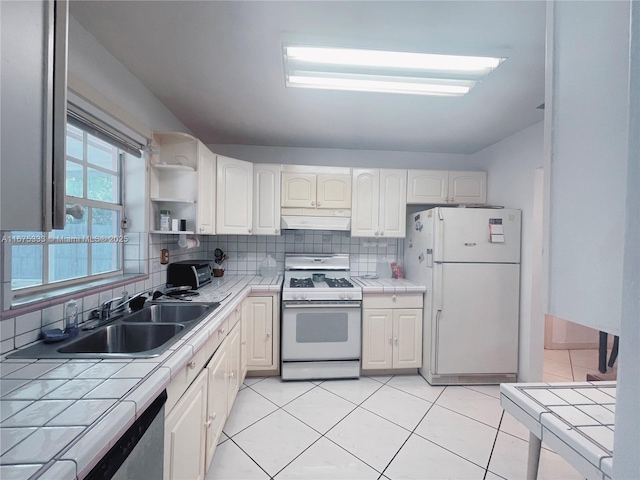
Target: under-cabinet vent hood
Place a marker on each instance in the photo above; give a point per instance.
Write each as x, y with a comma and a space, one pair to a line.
308, 222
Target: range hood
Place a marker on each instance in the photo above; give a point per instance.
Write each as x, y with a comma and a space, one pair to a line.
309, 222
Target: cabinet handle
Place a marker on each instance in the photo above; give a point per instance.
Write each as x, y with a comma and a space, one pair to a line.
207, 424
244, 343
213, 416
191, 364
250, 230
232, 374
390, 340
268, 335
318, 203
381, 233
377, 233
237, 311
313, 204
221, 331
277, 231
396, 341
393, 297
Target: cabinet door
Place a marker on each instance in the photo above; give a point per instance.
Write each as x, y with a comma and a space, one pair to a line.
407, 338
468, 187
366, 202
260, 332
393, 203
266, 199
184, 435
298, 190
234, 203
333, 191
233, 353
428, 187
216, 401
206, 202
34, 111
244, 326
377, 339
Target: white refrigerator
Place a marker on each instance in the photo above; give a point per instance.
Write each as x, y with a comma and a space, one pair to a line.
469, 260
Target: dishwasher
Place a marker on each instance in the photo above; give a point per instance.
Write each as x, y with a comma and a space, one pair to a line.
139, 453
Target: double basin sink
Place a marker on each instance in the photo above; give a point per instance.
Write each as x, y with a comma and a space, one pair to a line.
145, 333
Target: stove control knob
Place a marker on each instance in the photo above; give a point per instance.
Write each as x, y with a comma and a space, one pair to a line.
303, 296
295, 296
350, 296
342, 296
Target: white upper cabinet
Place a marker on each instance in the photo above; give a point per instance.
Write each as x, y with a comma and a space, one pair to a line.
266, 199
333, 191
427, 186
438, 187
234, 203
379, 203
468, 187
206, 217
310, 190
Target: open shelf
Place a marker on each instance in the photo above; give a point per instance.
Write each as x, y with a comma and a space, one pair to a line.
172, 200
168, 166
172, 232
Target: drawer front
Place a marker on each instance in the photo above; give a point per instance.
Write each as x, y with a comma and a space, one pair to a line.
234, 317
413, 300
215, 339
181, 381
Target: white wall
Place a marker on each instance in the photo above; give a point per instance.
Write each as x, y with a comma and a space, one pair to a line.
511, 165
94, 66
588, 167
346, 158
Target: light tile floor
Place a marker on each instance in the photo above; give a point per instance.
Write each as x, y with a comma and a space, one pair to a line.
572, 365
374, 428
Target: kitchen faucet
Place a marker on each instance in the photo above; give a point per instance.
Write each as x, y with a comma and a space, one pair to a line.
107, 309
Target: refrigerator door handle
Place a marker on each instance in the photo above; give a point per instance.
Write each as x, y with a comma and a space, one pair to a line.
436, 343
469, 244
440, 215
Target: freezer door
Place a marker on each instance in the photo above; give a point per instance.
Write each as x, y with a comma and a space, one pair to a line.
475, 319
463, 235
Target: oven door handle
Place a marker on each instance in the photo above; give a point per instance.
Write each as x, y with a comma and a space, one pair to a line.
322, 305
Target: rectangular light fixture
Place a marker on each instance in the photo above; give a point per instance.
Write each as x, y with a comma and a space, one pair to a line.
384, 71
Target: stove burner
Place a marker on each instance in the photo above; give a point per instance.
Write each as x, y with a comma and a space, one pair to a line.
339, 283
301, 283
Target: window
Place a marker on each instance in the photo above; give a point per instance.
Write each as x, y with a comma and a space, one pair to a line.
91, 244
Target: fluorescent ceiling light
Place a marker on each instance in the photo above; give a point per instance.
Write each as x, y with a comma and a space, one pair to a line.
384, 71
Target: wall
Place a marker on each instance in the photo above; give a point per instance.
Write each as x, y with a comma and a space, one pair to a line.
348, 158
511, 165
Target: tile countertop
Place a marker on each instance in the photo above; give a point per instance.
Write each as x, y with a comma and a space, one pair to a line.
59, 417
575, 419
388, 285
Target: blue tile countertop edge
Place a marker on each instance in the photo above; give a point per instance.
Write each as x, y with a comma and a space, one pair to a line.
27, 397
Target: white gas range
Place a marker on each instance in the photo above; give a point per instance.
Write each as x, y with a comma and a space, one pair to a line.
321, 318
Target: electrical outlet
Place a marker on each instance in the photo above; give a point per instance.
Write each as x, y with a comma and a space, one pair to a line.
299, 238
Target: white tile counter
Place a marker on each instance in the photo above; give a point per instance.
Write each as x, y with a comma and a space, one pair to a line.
387, 285
575, 419
59, 417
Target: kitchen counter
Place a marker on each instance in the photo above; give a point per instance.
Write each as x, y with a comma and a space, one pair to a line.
59, 417
575, 419
387, 285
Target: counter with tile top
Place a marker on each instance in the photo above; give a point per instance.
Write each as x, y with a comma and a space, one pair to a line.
58, 417
575, 419
388, 285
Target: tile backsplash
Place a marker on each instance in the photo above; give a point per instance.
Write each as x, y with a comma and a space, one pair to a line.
246, 254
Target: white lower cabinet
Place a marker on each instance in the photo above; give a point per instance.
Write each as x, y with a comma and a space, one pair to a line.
184, 436
194, 422
217, 404
259, 334
391, 337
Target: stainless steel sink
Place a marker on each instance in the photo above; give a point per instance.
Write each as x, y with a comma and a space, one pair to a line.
146, 333
168, 313
124, 338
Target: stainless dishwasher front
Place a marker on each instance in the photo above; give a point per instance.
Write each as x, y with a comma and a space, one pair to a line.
139, 454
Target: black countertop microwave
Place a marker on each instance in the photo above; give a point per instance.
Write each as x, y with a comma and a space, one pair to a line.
194, 273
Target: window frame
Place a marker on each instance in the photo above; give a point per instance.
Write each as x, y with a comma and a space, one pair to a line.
88, 205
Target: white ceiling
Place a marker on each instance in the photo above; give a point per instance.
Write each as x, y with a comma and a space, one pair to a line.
218, 67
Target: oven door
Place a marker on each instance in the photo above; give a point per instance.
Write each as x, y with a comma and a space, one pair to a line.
321, 331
